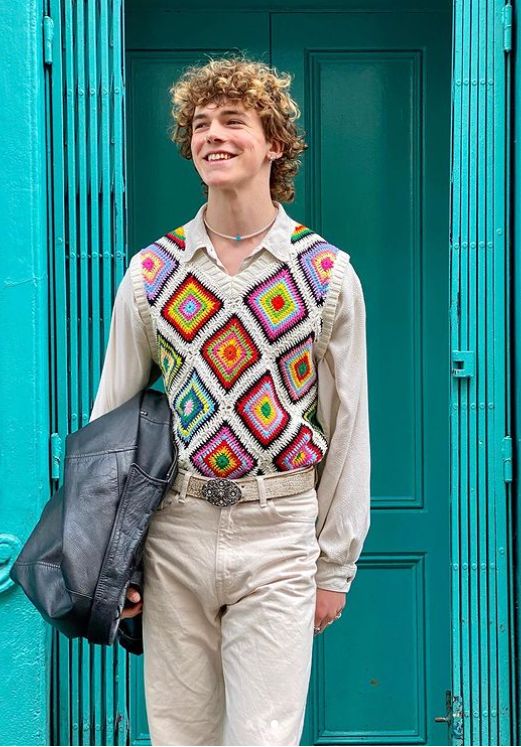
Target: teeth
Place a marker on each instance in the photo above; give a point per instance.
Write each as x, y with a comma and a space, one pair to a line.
218, 157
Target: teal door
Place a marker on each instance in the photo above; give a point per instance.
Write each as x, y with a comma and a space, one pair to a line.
374, 90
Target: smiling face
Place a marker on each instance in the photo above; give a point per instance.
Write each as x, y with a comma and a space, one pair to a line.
230, 129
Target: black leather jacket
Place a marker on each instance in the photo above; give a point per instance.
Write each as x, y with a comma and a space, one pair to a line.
87, 547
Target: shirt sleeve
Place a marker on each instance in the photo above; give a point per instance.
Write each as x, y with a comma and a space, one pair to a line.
128, 357
343, 487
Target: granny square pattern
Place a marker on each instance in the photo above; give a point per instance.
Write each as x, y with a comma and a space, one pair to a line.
170, 361
297, 370
317, 263
262, 411
238, 356
194, 406
230, 351
300, 452
277, 304
223, 456
157, 265
190, 307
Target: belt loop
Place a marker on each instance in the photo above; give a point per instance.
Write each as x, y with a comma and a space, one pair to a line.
262, 490
184, 487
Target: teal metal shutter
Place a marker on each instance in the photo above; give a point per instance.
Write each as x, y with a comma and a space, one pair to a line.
84, 57
482, 700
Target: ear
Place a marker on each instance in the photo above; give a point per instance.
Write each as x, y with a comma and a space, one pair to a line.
276, 147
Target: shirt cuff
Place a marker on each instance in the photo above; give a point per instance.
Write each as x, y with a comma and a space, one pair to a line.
334, 577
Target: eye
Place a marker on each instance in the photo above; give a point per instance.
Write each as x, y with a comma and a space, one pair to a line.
230, 121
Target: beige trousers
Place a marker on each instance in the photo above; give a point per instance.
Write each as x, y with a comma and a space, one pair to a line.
228, 614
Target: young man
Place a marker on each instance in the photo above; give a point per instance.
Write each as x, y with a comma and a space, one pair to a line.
258, 326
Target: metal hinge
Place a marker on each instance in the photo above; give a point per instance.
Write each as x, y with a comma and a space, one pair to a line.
507, 27
48, 36
463, 363
56, 456
506, 450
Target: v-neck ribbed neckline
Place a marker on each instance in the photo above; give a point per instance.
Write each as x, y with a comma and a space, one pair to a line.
238, 282
214, 257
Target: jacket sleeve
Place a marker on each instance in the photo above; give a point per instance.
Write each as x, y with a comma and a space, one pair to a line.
128, 357
343, 488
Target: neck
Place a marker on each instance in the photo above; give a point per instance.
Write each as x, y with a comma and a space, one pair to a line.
238, 215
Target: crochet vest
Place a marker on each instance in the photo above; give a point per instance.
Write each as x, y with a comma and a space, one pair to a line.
239, 354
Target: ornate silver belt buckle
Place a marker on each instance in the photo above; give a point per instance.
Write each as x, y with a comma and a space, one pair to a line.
221, 492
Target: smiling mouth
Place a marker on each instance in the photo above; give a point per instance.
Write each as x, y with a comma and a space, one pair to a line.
219, 160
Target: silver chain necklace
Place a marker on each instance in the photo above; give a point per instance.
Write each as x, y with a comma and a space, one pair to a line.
238, 237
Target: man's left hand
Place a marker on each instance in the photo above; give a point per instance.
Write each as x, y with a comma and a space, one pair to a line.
329, 605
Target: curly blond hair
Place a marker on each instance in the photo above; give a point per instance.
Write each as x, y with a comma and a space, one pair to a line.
255, 85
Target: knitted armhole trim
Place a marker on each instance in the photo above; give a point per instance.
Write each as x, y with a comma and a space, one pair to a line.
142, 303
328, 313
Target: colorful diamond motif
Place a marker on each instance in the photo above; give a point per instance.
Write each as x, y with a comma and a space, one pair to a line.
170, 361
194, 406
317, 263
299, 233
262, 411
311, 415
277, 304
177, 236
230, 351
190, 307
302, 452
297, 369
156, 266
223, 456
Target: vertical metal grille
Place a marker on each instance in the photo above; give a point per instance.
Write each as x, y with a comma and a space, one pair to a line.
87, 259
480, 402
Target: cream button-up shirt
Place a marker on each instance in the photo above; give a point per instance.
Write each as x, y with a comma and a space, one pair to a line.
343, 489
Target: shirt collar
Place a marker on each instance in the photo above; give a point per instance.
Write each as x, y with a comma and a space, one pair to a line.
277, 240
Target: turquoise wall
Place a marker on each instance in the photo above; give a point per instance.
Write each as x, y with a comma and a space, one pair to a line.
24, 380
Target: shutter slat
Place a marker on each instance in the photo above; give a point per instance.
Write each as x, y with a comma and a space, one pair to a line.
85, 121
482, 644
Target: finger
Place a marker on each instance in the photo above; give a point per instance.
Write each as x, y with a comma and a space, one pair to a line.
134, 595
132, 611
325, 623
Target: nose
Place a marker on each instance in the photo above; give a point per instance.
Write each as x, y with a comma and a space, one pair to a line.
213, 128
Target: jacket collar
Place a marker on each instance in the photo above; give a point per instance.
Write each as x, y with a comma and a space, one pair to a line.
277, 240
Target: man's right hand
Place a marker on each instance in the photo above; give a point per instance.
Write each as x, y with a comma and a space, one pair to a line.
136, 607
